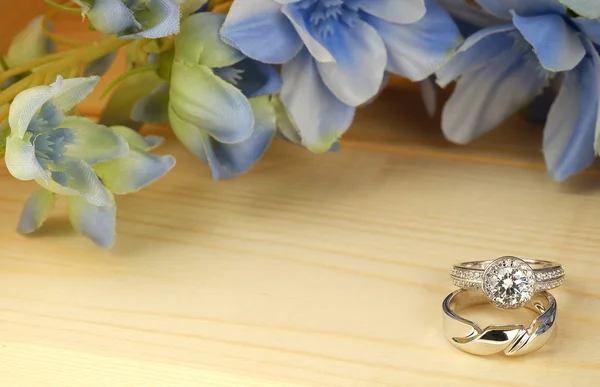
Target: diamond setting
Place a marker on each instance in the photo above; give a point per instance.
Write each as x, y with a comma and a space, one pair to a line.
509, 282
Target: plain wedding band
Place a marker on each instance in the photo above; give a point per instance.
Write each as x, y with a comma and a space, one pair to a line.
513, 340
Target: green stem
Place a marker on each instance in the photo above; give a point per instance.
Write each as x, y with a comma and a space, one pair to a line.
31, 65
62, 7
124, 76
62, 62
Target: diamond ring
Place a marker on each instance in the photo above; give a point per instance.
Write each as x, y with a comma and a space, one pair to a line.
513, 340
508, 282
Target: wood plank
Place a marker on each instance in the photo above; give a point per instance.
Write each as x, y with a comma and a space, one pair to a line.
311, 270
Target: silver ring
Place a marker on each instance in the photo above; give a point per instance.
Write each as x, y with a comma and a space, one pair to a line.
513, 340
508, 282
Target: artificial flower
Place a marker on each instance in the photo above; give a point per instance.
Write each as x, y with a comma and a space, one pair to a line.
335, 53
57, 150
502, 68
29, 44
123, 175
287, 129
216, 100
132, 19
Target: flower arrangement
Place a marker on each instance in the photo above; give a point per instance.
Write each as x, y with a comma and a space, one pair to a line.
228, 76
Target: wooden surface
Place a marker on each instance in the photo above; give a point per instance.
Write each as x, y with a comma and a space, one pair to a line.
310, 271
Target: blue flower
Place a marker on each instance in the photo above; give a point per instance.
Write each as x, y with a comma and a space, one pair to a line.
132, 19
335, 53
57, 150
503, 67
76, 157
129, 173
216, 100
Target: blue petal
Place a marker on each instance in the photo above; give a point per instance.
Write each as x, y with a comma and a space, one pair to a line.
36, 210
503, 8
469, 19
360, 61
477, 51
591, 28
417, 50
569, 133
393, 11
229, 160
47, 118
261, 31
258, 78
158, 18
556, 44
485, 97
320, 117
77, 176
301, 20
94, 222
595, 56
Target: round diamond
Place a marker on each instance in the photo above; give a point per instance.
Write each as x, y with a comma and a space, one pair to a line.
509, 282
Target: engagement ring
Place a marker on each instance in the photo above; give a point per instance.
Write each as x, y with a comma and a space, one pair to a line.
508, 282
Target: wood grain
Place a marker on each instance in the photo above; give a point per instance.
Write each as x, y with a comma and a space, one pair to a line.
311, 270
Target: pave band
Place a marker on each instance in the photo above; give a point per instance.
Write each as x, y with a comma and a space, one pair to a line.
513, 339
509, 282
468, 275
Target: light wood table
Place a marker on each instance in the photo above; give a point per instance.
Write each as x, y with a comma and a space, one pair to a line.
310, 271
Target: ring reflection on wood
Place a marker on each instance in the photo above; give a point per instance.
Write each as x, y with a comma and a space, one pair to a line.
512, 339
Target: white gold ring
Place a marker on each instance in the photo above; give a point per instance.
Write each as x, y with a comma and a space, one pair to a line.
508, 282
512, 340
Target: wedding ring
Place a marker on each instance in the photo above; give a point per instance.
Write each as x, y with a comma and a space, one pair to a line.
508, 282
513, 340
